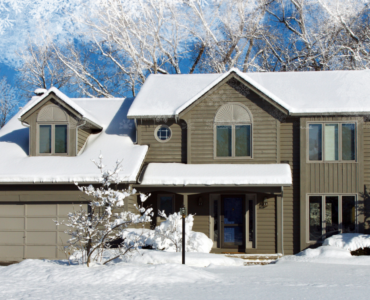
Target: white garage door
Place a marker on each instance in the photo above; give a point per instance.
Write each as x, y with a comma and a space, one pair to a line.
28, 230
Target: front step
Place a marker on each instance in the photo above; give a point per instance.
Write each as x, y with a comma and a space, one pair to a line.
255, 259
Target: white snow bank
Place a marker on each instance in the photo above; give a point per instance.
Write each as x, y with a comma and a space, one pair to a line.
326, 255
325, 252
217, 174
348, 241
191, 258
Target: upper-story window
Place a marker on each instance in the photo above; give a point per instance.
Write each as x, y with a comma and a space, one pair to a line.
162, 133
332, 142
52, 131
233, 131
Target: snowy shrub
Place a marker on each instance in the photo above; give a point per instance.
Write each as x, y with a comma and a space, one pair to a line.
92, 231
168, 235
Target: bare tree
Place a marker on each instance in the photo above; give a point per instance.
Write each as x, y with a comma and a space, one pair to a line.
155, 36
8, 101
41, 68
121, 42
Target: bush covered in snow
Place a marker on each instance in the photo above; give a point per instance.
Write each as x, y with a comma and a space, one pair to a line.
92, 232
168, 235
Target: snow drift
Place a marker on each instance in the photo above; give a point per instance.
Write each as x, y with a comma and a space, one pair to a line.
348, 241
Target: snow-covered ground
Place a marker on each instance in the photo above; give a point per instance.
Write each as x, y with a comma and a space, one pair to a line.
325, 273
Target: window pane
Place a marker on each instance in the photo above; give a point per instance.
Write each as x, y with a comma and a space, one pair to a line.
166, 204
348, 142
243, 140
164, 133
348, 214
45, 138
223, 141
331, 142
332, 216
315, 141
215, 215
60, 138
315, 211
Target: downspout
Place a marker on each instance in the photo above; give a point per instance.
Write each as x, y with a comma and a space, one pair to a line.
77, 127
282, 220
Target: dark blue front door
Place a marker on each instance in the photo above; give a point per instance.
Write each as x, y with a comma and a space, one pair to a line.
233, 213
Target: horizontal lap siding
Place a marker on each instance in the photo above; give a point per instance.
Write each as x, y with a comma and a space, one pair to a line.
264, 145
201, 213
82, 138
266, 226
170, 151
289, 152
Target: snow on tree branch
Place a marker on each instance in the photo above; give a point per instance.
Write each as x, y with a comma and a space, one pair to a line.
93, 231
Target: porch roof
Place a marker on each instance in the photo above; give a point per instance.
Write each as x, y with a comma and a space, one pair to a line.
176, 174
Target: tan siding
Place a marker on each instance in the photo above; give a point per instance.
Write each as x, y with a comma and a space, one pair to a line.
266, 230
82, 138
335, 178
32, 121
201, 213
171, 151
289, 149
200, 122
332, 177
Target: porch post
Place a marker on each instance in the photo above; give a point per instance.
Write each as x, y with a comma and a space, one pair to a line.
279, 223
185, 201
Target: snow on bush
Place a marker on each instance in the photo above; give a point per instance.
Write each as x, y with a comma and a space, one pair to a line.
92, 232
348, 241
168, 235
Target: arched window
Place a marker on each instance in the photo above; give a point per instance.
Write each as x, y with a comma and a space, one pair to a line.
233, 131
52, 128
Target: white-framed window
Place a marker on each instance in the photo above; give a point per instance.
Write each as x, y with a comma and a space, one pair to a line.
233, 132
163, 133
330, 214
332, 141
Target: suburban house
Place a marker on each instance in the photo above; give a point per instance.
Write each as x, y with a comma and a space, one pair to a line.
267, 162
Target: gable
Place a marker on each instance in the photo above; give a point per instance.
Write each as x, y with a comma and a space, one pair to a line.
46, 107
242, 87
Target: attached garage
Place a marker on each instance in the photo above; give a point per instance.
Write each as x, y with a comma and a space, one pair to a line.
27, 229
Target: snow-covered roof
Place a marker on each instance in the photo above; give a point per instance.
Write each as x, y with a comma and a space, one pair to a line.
115, 142
326, 92
73, 104
176, 174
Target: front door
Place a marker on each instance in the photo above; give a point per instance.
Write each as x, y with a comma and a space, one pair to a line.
233, 222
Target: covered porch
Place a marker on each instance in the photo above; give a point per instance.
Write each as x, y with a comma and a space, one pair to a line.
239, 207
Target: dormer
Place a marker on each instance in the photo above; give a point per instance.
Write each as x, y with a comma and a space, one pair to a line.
57, 125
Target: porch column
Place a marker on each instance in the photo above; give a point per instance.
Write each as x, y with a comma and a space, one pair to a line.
279, 223
185, 202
